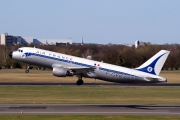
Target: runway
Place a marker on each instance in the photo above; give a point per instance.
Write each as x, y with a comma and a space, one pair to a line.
91, 84
88, 109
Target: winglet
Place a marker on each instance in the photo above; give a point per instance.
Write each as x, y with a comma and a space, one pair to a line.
155, 63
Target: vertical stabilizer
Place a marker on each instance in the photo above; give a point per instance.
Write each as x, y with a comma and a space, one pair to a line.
155, 63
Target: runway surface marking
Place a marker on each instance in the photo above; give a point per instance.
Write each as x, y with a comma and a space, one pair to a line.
88, 109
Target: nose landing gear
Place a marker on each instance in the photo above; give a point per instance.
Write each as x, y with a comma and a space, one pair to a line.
27, 69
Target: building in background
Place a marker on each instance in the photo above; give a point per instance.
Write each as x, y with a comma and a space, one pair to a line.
26, 40
6, 39
139, 44
54, 41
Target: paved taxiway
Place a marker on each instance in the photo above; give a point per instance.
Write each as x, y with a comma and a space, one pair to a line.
87, 109
91, 84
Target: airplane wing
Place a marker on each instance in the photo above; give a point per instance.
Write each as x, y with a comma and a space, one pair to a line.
76, 70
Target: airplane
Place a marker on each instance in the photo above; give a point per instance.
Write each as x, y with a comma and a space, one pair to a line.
63, 65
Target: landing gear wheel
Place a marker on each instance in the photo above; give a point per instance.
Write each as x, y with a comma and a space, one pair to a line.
26, 71
79, 82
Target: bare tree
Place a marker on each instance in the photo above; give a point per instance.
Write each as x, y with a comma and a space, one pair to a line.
4, 57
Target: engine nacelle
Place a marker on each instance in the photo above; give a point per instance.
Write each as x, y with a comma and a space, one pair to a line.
60, 72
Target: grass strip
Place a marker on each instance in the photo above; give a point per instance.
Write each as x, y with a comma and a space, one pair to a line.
88, 95
86, 117
18, 75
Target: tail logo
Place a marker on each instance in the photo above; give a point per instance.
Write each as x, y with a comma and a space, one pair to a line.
149, 69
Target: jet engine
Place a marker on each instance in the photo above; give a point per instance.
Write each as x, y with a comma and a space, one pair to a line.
60, 72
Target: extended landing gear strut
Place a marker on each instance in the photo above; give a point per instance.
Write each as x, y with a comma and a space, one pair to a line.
79, 81
27, 69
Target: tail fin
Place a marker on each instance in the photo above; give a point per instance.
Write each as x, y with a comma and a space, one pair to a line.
155, 63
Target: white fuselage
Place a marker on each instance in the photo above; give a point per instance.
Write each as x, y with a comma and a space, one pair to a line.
103, 71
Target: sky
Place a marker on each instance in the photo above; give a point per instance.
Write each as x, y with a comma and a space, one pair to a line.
96, 21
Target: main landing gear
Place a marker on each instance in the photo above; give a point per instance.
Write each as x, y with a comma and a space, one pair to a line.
27, 69
79, 81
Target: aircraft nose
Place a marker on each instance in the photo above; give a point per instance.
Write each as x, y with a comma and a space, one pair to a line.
10, 54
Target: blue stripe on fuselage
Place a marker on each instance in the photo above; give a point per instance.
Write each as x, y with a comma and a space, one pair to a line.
77, 63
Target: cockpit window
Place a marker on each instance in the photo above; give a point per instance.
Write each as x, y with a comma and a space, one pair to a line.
20, 50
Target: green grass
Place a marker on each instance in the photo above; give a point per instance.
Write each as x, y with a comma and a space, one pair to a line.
85, 117
89, 95
83, 95
18, 75
171, 76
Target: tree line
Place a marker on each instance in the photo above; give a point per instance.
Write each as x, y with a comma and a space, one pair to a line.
113, 54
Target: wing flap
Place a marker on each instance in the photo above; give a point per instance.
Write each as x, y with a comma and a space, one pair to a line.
83, 70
